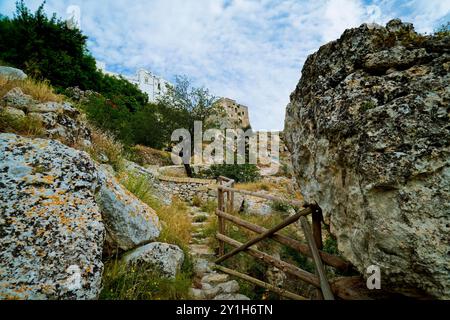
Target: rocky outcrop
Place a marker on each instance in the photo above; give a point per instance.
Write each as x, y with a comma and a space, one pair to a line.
51, 230
129, 222
60, 120
12, 73
167, 258
368, 128
56, 208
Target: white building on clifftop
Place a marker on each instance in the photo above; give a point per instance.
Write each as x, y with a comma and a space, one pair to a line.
145, 80
149, 83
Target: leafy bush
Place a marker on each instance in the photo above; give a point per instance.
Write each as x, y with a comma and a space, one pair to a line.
237, 172
210, 206
330, 245
280, 206
45, 48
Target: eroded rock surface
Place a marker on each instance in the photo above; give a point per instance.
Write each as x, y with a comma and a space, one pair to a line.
167, 258
368, 127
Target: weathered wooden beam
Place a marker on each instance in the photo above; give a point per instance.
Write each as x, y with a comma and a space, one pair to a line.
317, 219
221, 221
268, 286
295, 203
327, 258
266, 234
324, 285
283, 266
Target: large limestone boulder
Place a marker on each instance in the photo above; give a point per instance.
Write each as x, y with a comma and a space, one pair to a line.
368, 128
51, 230
129, 222
12, 73
167, 258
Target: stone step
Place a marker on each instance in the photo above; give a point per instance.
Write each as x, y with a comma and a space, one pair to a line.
199, 224
198, 235
199, 241
231, 296
200, 250
202, 267
215, 278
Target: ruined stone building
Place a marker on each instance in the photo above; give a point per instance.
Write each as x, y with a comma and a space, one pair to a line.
234, 115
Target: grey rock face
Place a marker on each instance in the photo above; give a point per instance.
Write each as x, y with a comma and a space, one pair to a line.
51, 230
368, 128
12, 73
167, 258
129, 222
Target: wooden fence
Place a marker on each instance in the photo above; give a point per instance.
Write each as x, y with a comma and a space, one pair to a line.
313, 235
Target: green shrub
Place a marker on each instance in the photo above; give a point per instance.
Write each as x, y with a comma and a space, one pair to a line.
280, 206
367, 105
210, 206
237, 172
330, 245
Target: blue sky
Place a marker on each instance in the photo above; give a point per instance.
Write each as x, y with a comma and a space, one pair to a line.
248, 50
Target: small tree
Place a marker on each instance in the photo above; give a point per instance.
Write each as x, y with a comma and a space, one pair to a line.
189, 103
185, 104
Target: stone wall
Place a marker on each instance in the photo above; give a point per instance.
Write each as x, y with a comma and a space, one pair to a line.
188, 188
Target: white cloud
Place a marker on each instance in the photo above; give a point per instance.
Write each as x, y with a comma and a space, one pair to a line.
248, 50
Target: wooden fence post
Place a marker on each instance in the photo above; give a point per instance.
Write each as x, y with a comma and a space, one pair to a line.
230, 199
317, 219
221, 221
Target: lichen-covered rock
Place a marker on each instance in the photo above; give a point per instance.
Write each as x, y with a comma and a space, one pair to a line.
51, 230
12, 73
15, 98
129, 222
368, 127
60, 120
167, 258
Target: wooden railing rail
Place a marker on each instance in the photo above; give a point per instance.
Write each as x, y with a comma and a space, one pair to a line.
225, 199
327, 258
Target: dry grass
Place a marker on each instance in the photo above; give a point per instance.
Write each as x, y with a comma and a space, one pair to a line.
256, 186
27, 126
176, 224
104, 143
148, 156
39, 90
